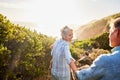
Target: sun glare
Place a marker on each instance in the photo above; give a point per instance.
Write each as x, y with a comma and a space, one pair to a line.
54, 14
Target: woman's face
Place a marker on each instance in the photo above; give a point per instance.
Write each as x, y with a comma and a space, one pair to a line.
69, 35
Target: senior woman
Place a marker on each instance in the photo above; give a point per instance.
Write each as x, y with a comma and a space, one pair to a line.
107, 66
62, 61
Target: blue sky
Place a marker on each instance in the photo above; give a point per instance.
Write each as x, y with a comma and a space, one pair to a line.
51, 15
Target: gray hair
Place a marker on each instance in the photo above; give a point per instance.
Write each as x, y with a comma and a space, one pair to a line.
115, 23
64, 31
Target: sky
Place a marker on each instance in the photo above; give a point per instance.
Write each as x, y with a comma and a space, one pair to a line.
49, 16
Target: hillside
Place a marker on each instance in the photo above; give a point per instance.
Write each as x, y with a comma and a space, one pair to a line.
94, 28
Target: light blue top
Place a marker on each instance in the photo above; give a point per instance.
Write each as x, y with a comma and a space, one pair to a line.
61, 58
105, 67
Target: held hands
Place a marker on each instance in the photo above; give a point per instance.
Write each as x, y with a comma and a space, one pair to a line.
74, 76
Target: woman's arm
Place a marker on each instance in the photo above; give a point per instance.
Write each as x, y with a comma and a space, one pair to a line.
73, 66
73, 69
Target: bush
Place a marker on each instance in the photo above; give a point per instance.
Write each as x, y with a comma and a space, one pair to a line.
96, 52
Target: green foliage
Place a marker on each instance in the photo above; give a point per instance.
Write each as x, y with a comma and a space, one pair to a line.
85, 44
3, 33
24, 55
101, 41
75, 52
4, 60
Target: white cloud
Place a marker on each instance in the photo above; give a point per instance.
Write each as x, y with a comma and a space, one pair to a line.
9, 5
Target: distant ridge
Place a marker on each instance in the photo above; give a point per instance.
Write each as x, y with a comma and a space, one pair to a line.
94, 27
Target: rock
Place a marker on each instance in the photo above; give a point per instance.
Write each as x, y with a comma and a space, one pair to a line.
85, 60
